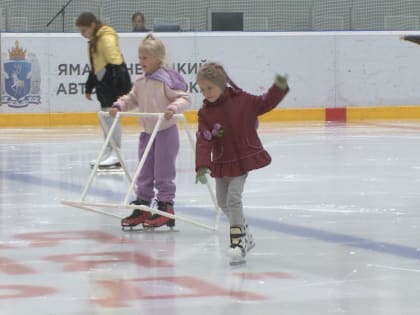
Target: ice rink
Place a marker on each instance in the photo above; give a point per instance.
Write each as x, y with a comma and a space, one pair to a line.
335, 218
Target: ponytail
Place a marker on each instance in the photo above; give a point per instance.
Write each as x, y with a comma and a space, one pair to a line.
86, 19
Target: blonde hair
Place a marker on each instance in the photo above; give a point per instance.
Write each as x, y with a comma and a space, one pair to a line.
215, 73
154, 46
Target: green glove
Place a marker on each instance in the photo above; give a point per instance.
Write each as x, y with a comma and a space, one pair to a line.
200, 176
218, 134
281, 81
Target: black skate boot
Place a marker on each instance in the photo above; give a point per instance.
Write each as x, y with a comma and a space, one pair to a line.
137, 217
157, 220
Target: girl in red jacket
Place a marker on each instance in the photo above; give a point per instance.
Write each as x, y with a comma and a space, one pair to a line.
228, 145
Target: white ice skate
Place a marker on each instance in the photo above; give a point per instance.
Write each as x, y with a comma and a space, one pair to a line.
249, 238
106, 155
238, 245
94, 161
110, 164
112, 160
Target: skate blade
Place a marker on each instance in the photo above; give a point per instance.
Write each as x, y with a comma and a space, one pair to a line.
105, 172
116, 165
110, 170
135, 229
237, 262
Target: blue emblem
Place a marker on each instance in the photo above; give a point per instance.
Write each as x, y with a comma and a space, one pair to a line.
18, 86
18, 79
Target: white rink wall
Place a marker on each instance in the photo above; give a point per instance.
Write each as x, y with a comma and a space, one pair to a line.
326, 70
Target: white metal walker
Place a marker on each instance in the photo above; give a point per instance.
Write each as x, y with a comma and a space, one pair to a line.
96, 207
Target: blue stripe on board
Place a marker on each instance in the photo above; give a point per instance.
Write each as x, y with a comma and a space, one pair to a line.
289, 229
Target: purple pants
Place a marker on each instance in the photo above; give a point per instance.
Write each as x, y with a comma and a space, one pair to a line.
159, 168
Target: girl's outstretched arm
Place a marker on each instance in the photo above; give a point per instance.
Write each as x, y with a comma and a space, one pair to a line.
269, 100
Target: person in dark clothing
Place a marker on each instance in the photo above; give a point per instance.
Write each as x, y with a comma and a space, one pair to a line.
138, 21
108, 74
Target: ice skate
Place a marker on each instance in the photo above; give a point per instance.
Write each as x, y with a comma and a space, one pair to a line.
110, 163
238, 245
137, 217
93, 162
105, 155
249, 238
157, 220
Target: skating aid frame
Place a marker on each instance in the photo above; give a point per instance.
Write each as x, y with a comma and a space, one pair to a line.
96, 207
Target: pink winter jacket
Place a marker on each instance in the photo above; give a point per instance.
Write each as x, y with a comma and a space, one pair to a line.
156, 93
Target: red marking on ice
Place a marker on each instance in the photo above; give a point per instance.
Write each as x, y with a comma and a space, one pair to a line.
7, 247
51, 239
12, 267
24, 291
264, 275
87, 261
120, 292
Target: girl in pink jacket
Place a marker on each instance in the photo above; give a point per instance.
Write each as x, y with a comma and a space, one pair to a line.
228, 144
159, 90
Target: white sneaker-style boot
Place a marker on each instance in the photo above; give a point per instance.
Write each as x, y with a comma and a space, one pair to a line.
238, 245
107, 153
110, 161
109, 158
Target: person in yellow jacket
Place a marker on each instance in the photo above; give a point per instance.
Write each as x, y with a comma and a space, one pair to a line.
108, 74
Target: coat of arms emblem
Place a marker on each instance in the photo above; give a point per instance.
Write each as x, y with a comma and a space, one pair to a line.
17, 71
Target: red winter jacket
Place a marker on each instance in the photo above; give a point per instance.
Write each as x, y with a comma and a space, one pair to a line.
239, 150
